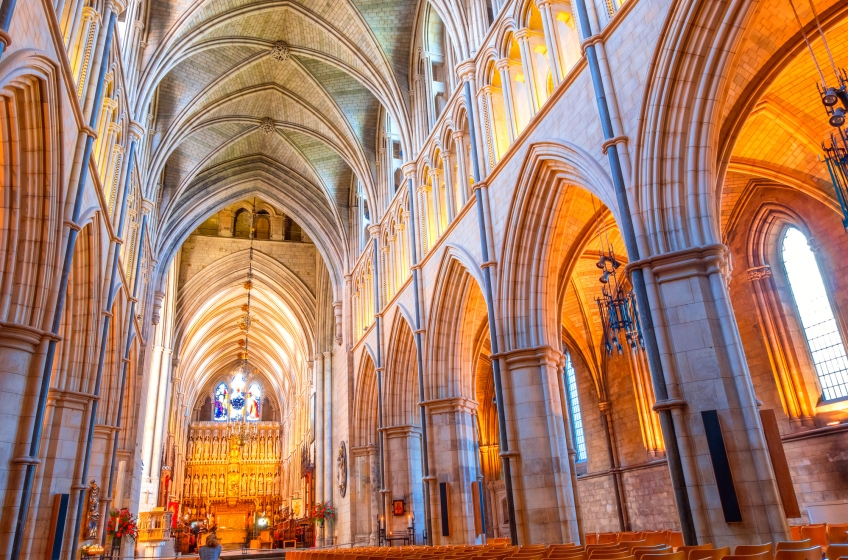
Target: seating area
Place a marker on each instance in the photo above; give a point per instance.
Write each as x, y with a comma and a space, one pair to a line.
810, 542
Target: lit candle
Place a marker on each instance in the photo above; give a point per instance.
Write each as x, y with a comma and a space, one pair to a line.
409, 521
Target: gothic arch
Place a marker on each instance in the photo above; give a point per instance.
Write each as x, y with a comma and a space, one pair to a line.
365, 420
33, 208
554, 176
457, 313
401, 387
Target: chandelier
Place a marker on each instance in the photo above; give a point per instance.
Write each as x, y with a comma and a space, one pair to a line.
242, 431
617, 305
834, 97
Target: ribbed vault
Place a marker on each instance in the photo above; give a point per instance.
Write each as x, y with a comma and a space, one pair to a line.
207, 335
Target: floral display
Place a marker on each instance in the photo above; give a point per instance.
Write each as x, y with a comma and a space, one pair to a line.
323, 511
122, 524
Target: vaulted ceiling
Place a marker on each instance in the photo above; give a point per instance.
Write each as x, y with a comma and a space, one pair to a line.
275, 97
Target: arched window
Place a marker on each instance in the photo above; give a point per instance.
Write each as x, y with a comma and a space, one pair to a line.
222, 403
574, 409
263, 225
237, 399
252, 403
824, 341
241, 227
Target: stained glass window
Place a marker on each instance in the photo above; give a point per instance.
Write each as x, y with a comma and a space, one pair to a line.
237, 399
252, 402
820, 329
219, 413
574, 409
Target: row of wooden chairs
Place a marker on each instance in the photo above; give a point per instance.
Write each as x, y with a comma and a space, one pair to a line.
821, 534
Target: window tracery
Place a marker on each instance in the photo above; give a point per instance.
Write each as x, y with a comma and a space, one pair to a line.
815, 311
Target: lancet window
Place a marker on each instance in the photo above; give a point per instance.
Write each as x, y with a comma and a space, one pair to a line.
815, 311
574, 409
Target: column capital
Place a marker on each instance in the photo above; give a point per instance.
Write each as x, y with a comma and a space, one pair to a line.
409, 168
535, 356
450, 404
759, 273
467, 70
502, 64
696, 261
136, 130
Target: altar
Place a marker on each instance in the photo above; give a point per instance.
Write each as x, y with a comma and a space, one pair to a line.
232, 523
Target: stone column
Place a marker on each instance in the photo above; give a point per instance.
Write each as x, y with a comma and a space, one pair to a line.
506, 87
403, 445
277, 232
454, 462
551, 42
544, 499
317, 367
461, 180
523, 38
705, 369
329, 455
450, 185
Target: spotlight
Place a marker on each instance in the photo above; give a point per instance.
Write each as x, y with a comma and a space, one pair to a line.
829, 97
837, 119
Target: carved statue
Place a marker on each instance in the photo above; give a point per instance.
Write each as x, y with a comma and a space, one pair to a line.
187, 487
93, 510
341, 467
215, 448
269, 485
260, 485
278, 449
277, 489
253, 484
269, 447
204, 485
213, 486
190, 448
195, 487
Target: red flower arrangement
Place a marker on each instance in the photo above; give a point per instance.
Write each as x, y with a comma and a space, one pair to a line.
122, 524
323, 511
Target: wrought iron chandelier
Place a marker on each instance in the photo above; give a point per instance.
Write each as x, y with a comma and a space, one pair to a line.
617, 305
834, 97
243, 431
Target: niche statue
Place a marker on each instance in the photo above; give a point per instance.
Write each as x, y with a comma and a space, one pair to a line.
93, 510
341, 469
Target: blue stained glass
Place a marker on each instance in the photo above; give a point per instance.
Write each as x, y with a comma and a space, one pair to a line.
221, 404
574, 409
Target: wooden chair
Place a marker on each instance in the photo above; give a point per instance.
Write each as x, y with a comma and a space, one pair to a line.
709, 553
749, 549
656, 537
687, 549
591, 538
630, 545
628, 536
607, 538
836, 551
795, 532
640, 551
607, 554
679, 555
675, 539
756, 556
816, 534
792, 545
812, 553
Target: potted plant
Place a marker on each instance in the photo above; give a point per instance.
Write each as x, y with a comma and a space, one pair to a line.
323, 511
121, 524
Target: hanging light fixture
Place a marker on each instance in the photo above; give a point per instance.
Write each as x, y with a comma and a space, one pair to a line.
832, 96
617, 305
243, 431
